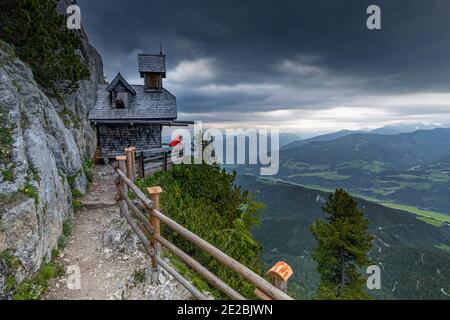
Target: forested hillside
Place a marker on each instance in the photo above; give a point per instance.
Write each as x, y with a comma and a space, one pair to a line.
205, 200
414, 255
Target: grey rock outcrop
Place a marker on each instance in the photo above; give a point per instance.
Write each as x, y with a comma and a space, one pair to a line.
76, 106
50, 141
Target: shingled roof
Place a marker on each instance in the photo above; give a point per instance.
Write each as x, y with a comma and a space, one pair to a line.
144, 105
152, 63
117, 80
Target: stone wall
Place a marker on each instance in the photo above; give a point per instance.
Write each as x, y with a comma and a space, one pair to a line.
114, 138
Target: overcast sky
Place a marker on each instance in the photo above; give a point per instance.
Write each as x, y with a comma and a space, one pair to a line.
289, 64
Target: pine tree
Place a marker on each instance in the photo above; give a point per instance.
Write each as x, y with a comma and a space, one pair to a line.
342, 250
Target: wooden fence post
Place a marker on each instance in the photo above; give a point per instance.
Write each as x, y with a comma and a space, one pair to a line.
134, 162
142, 165
131, 163
280, 274
155, 222
165, 161
122, 167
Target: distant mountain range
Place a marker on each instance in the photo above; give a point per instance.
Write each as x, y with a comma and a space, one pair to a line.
387, 130
407, 168
396, 152
289, 140
285, 138
405, 128
414, 255
410, 168
324, 137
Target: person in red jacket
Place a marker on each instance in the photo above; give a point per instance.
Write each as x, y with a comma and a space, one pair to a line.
177, 147
178, 140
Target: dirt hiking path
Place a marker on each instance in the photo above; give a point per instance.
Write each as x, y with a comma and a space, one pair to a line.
105, 254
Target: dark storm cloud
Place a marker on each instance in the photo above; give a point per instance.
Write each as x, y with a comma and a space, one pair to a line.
229, 59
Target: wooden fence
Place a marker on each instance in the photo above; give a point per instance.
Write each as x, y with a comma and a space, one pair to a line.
146, 162
144, 216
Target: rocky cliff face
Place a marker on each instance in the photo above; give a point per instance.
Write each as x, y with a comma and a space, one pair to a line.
74, 110
43, 145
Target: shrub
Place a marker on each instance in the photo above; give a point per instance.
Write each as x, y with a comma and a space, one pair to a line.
139, 276
10, 261
205, 200
31, 192
66, 232
88, 165
32, 289
42, 40
33, 172
8, 175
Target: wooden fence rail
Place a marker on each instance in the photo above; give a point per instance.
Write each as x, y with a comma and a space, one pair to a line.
149, 161
145, 217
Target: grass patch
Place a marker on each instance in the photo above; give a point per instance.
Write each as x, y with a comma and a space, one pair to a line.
384, 191
443, 246
139, 276
8, 175
10, 283
27, 291
76, 203
28, 191
374, 166
71, 181
307, 186
33, 172
70, 119
10, 261
431, 221
32, 289
327, 175
17, 86
302, 166
439, 177
66, 232
76, 195
422, 213
10, 199
31, 192
88, 166
68, 227
201, 284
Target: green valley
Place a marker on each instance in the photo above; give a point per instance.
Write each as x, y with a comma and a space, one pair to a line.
409, 169
411, 251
